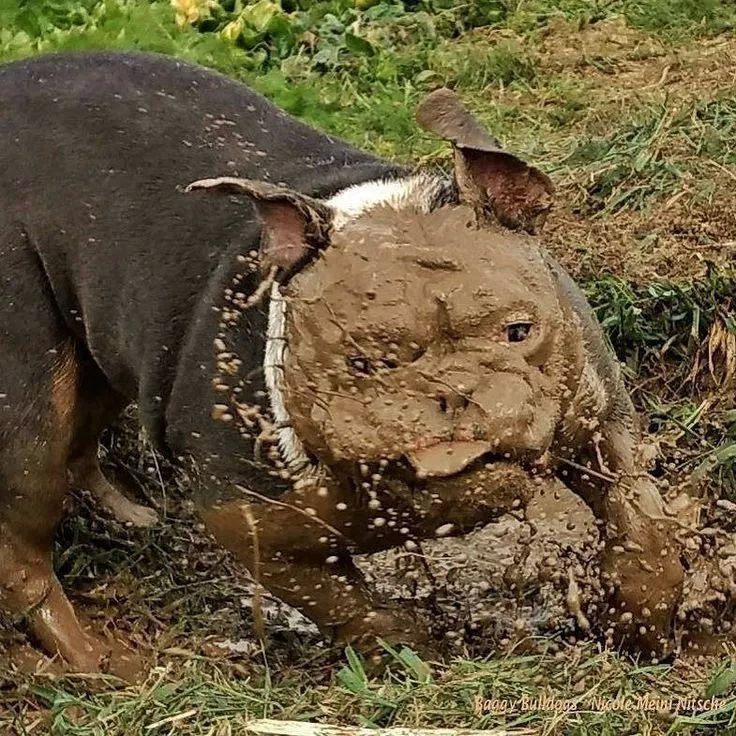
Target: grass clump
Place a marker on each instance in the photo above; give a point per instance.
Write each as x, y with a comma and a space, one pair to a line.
627, 168
574, 685
668, 322
648, 159
678, 343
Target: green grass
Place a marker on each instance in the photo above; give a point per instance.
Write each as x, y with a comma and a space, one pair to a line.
35, 27
669, 321
661, 332
201, 698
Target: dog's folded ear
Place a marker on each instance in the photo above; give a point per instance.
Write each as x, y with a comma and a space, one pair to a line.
295, 227
493, 181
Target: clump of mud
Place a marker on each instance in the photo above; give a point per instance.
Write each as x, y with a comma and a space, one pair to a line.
707, 610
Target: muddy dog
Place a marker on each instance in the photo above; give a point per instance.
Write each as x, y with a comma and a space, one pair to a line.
348, 354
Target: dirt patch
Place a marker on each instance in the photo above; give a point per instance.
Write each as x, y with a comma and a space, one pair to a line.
641, 66
675, 242
573, 48
529, 577
615, 68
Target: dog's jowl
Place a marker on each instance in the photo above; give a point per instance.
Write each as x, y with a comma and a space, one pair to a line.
347, 354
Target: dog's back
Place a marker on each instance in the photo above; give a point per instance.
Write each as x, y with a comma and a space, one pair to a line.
113, 279
97, 149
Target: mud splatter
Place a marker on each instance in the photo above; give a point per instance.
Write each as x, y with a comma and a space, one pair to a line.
509, 580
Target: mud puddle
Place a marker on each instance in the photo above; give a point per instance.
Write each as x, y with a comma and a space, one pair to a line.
507, 581
535, 575
513, 584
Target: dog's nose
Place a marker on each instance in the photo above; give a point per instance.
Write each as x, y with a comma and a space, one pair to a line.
453, 399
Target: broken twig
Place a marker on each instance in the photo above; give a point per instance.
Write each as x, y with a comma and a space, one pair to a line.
301, 728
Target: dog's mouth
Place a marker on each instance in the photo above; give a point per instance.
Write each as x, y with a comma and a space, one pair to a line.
449, 458
446, 459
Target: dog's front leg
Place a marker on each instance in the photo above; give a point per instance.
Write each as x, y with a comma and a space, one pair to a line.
641, 562
641, 565
298, 548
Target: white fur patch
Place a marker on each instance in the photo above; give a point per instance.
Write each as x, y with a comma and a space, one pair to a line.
292, 450
419, 192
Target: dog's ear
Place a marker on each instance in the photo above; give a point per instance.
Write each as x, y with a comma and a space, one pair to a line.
295, 228
493, 181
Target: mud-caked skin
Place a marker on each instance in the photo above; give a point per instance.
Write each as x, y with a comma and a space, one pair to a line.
348, 356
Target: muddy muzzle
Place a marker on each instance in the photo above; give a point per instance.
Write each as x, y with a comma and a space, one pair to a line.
450, 458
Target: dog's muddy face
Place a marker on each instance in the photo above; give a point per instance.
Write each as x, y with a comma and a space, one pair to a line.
426, 339
431, 342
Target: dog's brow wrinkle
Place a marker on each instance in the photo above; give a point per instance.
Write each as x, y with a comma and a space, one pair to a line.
438, 264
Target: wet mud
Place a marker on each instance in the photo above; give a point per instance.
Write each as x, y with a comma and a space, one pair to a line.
397, 340
121, 655
537, 574
528, 574
532, 574
524, 578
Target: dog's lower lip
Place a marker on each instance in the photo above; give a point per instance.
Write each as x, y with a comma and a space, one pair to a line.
446, 458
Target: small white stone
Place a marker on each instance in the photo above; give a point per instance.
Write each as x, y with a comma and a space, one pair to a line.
444, 530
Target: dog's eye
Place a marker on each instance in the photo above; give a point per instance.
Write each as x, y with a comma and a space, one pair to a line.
518, 331
360, 364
